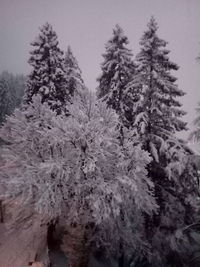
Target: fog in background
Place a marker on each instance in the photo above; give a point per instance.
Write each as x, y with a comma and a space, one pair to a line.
87, 25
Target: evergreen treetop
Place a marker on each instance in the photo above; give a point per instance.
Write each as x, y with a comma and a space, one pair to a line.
159, 114
48, 76
157, 120
117, 70
73, 72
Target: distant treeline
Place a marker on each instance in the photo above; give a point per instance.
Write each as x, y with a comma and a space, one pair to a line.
11, 93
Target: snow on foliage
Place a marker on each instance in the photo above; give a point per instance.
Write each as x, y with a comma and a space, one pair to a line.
73, 72
48, 77
195, 134
11, 92
117, 71
157, 119
158, 114
73, 167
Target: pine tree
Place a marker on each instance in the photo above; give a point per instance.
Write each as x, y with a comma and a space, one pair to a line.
48, 76
73, 72
157, 120
117, 71
159, 114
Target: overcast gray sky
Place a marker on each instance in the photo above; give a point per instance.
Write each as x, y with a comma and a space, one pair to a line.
86, 25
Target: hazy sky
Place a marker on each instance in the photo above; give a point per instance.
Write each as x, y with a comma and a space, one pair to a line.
86, 25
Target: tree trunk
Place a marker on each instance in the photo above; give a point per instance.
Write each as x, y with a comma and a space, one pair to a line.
76, 245
121, 257
121, 261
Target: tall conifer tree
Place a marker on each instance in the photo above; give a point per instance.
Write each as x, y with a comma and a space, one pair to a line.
157, 120
48, 76
159, 115
117, 71
73, 72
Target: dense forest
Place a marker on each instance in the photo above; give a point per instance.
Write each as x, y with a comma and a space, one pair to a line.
106, 165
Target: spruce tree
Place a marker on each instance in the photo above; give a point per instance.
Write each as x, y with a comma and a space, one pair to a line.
48, 76
73, 72
117, 70
157, 120
159, 114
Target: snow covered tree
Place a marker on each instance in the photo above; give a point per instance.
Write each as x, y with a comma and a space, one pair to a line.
73, 72
74, 169
195, 135
117, 71
48, 76
5, 98
158, 116
157, 120
159, 113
